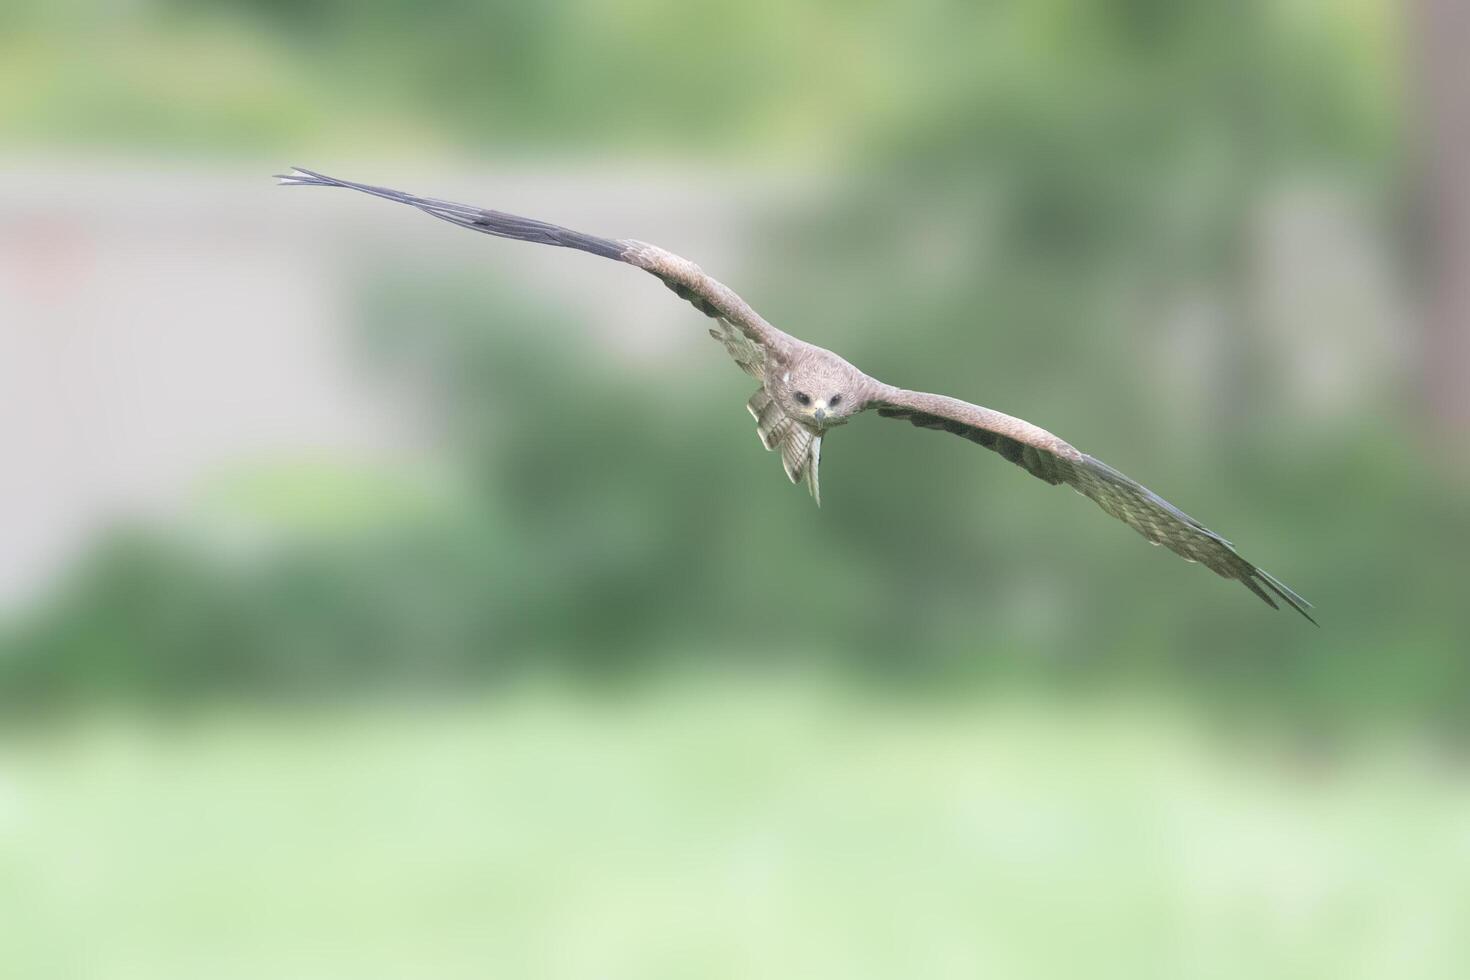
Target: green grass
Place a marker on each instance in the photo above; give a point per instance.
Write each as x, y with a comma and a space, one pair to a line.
706, 833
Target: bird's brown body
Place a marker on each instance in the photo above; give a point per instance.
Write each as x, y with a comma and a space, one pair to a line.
806, 390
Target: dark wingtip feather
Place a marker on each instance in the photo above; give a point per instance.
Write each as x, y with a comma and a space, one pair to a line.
1250, 583
300, 177
1255, 578
1287, 595
496, 223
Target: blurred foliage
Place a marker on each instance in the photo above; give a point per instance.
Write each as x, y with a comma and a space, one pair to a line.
1077, 159
763, 79
651, 540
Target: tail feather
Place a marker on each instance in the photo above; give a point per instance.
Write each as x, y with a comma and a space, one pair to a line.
800, 448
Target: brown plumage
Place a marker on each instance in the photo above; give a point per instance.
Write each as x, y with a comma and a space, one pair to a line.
806, 390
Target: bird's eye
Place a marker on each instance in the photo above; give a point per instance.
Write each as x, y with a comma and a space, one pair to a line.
802, 398
834, 400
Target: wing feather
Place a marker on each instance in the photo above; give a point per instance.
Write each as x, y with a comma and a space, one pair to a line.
748, 355
1049, 458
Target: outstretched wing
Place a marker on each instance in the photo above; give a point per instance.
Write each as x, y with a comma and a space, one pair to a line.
753, 344
1045, 456
750, 340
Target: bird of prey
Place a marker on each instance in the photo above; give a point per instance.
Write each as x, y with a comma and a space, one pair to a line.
806, 391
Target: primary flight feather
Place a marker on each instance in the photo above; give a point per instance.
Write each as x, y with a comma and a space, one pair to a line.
805, 390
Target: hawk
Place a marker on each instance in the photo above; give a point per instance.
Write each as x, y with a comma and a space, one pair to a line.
806, 391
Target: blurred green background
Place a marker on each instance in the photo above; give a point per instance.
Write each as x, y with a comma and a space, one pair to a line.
382, 600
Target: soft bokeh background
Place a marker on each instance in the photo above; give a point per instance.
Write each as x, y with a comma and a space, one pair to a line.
382, 600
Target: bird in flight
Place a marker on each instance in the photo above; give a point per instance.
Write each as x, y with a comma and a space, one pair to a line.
805, 391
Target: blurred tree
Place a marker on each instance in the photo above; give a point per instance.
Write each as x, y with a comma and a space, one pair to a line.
1442, 127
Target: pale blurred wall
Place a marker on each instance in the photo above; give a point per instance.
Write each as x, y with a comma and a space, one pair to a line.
164, 325
157, 325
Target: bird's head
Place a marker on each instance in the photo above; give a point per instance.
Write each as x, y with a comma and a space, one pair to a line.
818, 394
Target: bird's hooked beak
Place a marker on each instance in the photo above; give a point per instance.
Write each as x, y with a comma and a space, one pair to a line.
819, 414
